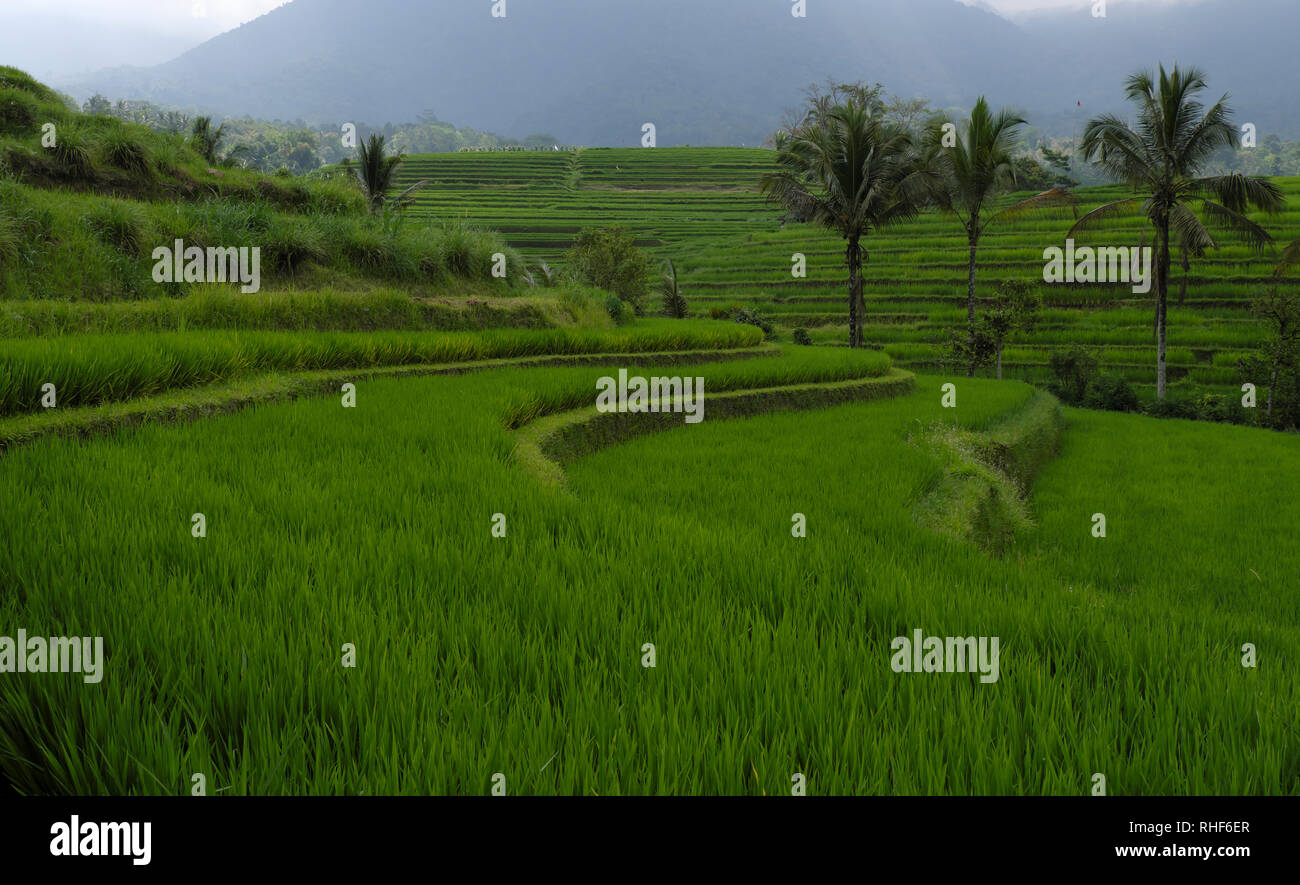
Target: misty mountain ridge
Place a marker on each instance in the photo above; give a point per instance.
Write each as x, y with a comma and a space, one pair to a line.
725, 72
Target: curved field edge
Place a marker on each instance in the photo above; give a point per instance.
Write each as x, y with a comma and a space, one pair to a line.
90, 370
547, 444
216, 399
982, 495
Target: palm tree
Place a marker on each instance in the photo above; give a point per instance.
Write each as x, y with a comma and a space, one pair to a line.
1162, 158
375, 171
968, 173
207, 141
547, 276
675, 304
849, 170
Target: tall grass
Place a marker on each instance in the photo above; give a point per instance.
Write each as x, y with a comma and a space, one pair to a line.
92, 369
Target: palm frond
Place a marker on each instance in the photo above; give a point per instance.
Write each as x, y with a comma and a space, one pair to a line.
1053, 197
1255, 235
1099, 214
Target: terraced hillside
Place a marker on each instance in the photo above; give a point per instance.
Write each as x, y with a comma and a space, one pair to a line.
701, 207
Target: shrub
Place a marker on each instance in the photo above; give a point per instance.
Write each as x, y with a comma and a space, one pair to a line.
609, 259
20, 113
73, 151
1223, 409
288, 245
751, 317
1112, 393
460, 244
170, 153
1072, 372
801, 337
1171, 408
127, 152
618, 310
118, 226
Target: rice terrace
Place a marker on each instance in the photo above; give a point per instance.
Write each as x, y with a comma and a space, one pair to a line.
928, 449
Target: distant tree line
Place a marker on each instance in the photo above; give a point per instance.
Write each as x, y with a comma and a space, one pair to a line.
299, 147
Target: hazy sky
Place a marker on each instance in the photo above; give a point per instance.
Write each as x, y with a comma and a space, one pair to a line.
59, 37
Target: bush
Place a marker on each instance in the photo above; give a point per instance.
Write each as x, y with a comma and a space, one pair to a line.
74, 151
1072, 372
1171, 408
119, 227
618, 310
802, 337
1223, 409
751, 317
1112, 393
609, 259
20, 113
127, 152
462, 252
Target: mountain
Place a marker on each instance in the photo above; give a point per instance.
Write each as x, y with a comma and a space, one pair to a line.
716, 72
1245, 47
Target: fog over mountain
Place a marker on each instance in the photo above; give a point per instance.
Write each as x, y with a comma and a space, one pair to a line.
721, 72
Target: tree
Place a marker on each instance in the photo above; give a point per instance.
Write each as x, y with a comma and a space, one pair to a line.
375, 172
849, 170
1058, 160
1162, 157
609, 259
205, 140
1280, 354
1015, 309
674, 301
968, 170
910, 113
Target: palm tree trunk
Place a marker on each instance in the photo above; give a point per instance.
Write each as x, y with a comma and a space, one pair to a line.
855, 270
970, 302
861, 297
1162, 308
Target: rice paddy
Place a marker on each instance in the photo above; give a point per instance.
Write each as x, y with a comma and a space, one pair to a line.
477, 654
367, 533
701, 207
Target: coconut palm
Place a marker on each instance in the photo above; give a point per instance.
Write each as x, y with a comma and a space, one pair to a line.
969, 170
846, 168
1161, 158
207, 141
375, 171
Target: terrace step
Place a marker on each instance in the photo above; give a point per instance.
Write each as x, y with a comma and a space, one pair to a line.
546, 445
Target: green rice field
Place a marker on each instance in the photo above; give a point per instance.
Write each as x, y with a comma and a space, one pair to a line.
477, 654
702, 208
